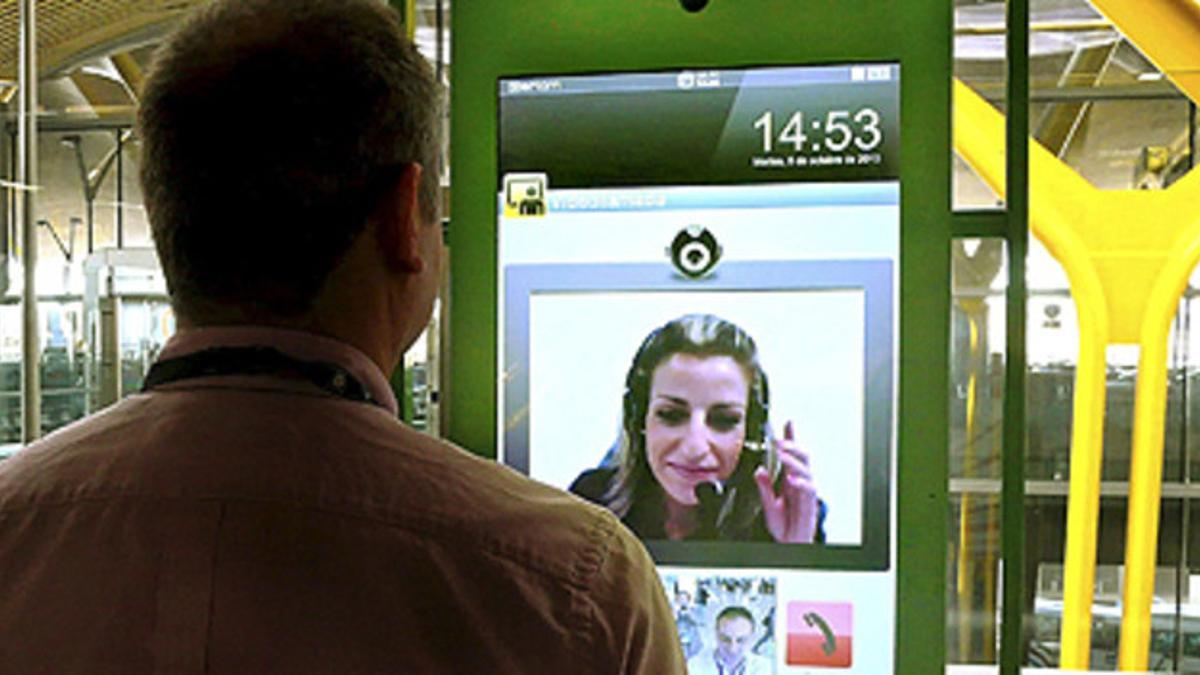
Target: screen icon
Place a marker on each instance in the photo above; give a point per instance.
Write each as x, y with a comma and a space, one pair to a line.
820, 634
524, 195
694, 251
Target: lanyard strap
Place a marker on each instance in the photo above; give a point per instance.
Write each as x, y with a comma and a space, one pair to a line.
257, 361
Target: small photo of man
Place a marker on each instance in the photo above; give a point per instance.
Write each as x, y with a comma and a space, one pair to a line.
726, 624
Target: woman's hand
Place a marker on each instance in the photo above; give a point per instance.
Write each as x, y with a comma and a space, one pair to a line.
790, 515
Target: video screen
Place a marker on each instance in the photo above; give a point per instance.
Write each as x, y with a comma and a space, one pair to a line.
697, 309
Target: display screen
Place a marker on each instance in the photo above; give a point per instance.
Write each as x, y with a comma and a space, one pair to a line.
697, 309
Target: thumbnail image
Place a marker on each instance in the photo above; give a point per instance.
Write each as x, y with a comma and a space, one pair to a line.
726, 624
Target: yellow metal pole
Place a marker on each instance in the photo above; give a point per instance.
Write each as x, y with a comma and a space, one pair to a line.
972, 308
410, 18
1083, 500
1145, 482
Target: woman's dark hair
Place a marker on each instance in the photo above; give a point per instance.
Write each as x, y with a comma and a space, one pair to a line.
701, 335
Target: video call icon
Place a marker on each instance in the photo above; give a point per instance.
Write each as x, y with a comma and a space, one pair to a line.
694, 251
820, 634
524, 195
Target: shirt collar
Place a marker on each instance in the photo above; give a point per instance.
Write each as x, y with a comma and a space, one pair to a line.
295, 343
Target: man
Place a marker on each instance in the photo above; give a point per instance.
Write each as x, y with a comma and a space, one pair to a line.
732, 655
258, 508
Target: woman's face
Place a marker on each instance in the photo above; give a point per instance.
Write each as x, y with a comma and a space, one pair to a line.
695, 423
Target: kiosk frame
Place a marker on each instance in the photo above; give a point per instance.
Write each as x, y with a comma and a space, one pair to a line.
526, 37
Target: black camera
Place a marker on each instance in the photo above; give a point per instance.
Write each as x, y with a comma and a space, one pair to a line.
694, 251
693, 5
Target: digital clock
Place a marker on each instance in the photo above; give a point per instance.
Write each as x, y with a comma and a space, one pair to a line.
836, 131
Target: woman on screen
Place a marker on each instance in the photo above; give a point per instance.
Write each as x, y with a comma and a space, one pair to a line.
696, 458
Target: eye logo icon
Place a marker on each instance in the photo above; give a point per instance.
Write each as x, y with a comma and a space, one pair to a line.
694, 251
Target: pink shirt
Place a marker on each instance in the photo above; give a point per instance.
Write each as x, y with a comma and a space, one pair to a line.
257, 524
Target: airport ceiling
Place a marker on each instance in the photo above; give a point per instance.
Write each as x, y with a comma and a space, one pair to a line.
92, 54
70, 32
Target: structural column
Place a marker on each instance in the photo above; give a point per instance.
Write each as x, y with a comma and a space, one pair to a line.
31, 385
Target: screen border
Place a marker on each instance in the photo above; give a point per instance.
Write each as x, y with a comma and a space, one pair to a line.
872, 276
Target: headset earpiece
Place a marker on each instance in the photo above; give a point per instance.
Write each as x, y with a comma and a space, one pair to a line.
758, 409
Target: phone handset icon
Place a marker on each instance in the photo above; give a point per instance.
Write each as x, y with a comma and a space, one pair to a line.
814, 620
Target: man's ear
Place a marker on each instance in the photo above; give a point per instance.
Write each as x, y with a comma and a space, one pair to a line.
398, 221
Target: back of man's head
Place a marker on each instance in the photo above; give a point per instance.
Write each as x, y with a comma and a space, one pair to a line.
270, 128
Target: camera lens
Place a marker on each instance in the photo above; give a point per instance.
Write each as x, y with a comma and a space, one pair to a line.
694, 257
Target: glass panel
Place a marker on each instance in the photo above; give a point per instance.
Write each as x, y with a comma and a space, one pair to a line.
979, 279
10, 373
144, 323
1170, 617
1187, 361
1052, 344
1103, 109
979, 61
1053, 347
421, 378
64, 362
972, 595
1053, 335
1112, 151
1096, 102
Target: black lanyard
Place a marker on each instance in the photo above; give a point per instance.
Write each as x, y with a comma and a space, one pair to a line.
257, 361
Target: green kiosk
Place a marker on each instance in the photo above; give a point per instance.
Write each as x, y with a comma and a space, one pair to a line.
700, 277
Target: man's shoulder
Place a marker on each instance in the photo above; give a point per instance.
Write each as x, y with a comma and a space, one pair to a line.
54, 459
359, 490
503, 511
342, 460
